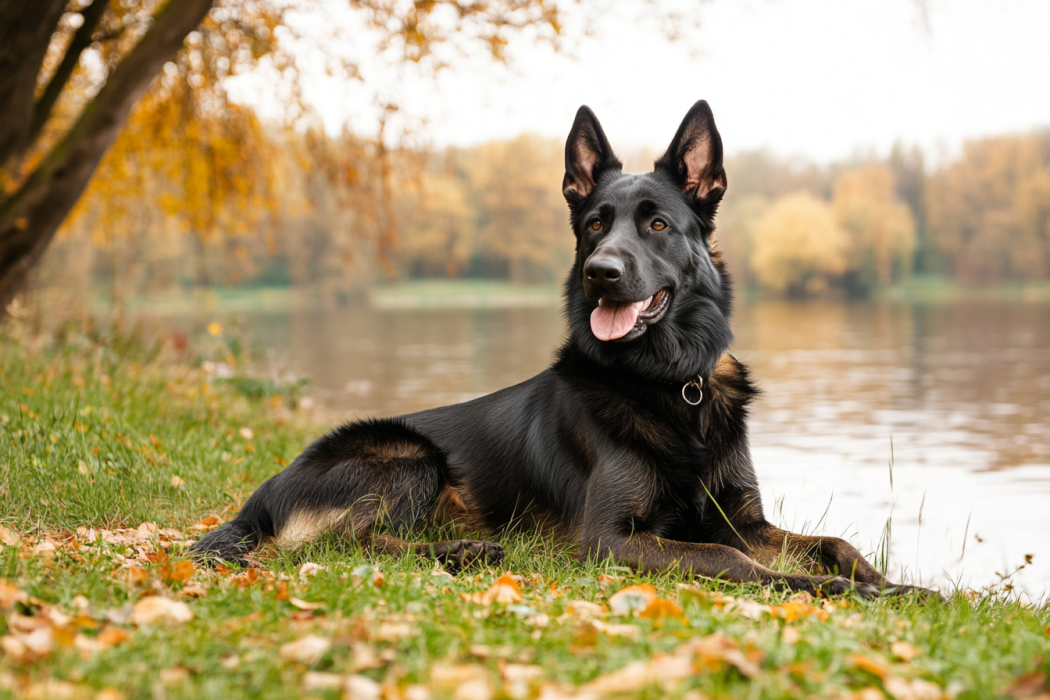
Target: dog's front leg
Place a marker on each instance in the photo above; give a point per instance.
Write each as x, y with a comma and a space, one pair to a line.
648, 552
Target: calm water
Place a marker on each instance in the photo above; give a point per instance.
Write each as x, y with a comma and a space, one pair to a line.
961, 389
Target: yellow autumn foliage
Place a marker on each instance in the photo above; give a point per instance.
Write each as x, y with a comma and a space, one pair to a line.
798, 246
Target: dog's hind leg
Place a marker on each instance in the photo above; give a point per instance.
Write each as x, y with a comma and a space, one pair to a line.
360, 479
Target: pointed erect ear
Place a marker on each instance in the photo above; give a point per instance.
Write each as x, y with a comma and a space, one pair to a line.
694, 157
587, 154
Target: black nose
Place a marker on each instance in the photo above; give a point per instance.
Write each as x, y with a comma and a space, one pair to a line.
604, 270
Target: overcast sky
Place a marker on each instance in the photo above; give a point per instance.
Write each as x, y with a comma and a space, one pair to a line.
818, 78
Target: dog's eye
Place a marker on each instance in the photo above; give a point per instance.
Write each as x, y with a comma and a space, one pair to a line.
596, 225
659, 225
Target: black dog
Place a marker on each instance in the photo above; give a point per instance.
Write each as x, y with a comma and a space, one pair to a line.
633, 444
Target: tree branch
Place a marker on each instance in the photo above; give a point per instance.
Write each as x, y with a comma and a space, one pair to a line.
30, 217
92, 14
25, 32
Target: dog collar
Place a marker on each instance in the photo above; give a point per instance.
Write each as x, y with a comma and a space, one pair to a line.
692, 389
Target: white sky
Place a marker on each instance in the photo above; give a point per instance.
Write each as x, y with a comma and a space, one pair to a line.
824, 79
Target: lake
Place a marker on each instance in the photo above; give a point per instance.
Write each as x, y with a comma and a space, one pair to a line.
934, 418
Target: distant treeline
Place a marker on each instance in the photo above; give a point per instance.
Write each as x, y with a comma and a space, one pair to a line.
178, 204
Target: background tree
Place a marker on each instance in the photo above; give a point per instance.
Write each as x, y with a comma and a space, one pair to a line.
798, 246
880, 227
989, 212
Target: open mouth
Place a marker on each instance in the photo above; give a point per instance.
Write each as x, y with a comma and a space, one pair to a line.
613, 320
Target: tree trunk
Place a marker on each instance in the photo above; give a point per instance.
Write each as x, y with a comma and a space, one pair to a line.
30, 216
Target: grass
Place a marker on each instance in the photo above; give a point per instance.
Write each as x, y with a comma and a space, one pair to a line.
107, 430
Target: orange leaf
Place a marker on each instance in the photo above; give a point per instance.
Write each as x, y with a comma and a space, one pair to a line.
206, 523
137, 576
305, 605
504, 590
178, 572
282, 590
875, 667
662, 609
111, 636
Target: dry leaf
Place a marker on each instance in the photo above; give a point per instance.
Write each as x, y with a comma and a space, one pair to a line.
154, 610
632, 598
136, 576
912, 689
750, 609
10, 594
393, 631
205, 524
613, 630
176, 674
308, 650
9, 537
605, 579
876, 667
282, 590
583, 608
45, 549
504, 590
305, 605
662, 609
718, 647
192, 590
177, 481
178, 572
870, 693
310, 569
111, 636
520, 680
904, 651
447, 678
660, 670
247, 433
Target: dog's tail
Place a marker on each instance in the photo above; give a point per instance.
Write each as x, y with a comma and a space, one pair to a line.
235, 540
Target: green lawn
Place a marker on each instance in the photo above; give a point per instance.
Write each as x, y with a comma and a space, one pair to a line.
101, 432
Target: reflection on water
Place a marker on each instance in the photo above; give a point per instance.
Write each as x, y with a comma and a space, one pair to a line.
962, 390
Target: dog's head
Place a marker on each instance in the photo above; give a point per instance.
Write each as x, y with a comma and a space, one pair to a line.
647, 292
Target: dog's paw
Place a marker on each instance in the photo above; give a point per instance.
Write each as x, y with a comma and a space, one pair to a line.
831, 586
923, 594
461, 553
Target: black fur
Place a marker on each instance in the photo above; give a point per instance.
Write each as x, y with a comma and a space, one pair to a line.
601, 448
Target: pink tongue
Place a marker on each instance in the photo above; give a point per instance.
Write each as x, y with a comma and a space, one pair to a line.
612, 320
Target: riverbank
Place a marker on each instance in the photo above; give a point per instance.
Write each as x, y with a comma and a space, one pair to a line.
117, 451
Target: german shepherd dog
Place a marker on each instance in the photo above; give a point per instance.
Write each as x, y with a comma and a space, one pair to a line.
633, 444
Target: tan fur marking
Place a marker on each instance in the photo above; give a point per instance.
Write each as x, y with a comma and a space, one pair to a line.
305, 526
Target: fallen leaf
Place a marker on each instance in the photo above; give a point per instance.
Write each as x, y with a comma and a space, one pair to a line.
45, 549
248, 578
10, 594
192, 590
876, 667
177, 481
178, 572
718, 647
605, 579
9, 537
904, 651
1030, 685
110, 637
504, 590
207, 523
912, 689
136, 576
520, 680
155, 609
661, 670
660, 609
393, 631
632, 598
467, 681
869, 693
171, 676
750, 609
304, 604
109, 694
614, 630
282, 590
247, 433
583, 608
310, 569
308, 650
